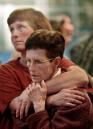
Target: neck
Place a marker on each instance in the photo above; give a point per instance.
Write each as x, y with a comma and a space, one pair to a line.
23, 59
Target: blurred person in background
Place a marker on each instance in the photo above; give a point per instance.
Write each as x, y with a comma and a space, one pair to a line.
65, 25
14, 75
55, 24
82, 53
66, 28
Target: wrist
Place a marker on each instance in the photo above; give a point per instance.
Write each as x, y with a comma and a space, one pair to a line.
39, 106
50, 100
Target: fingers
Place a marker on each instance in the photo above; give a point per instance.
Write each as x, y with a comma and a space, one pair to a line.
43, 84
76, 101
68, 104
27, 109
33, 90
67, 97
73, 101
78, 98
22, 109
18, 109
44, 89
75, 93
74, 96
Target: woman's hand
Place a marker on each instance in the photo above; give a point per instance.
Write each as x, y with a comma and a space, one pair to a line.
66, 98
37, 95
21, 104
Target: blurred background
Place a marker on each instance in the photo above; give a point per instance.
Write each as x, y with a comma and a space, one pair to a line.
81, 12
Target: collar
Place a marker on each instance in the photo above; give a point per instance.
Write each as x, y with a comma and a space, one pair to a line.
57, 73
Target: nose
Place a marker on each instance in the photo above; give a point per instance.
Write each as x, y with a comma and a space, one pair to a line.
15, 33
71, 27
31, 66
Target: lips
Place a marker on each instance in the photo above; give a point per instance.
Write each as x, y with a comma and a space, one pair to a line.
34, 76
17, 42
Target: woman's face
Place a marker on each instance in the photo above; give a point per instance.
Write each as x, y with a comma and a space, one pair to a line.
67, 29
20, 31
39, 66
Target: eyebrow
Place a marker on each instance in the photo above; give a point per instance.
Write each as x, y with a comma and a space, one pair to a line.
47, 60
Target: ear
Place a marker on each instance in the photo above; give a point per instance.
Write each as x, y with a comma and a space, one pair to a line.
57, 61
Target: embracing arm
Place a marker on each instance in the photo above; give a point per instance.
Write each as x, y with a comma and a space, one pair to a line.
74, 77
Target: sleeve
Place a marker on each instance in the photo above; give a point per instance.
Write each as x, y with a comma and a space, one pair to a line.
74, 118
78, 50
65, 63
9, 87
90, 86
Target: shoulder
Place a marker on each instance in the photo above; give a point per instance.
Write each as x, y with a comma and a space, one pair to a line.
10, 67
65, 63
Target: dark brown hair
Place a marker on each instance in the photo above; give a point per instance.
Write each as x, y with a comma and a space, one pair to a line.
52, 41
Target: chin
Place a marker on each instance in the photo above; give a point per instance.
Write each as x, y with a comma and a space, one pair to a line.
20, 49
36, 81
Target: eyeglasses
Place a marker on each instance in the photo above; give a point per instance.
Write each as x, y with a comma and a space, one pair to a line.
38, 62
44, 61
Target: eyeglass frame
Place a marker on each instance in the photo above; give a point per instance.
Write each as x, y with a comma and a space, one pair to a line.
37, 62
